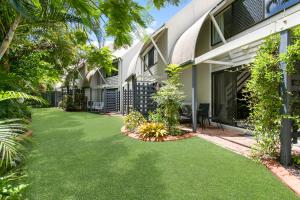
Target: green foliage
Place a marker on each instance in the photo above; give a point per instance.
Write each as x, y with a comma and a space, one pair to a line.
296, 160
10, 186
68, 104
156, 117
102, 57
10, 147
5, 95
292, 57
133, 120
265, 99
265, 102
151, 129
161, 3
169, 98
63, 103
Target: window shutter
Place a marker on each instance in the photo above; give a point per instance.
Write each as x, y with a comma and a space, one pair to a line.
246, 13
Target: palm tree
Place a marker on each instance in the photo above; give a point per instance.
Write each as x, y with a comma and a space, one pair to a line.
100, 17
45, 12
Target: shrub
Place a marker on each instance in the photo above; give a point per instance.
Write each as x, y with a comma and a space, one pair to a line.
296, 160
67, 103
151, 129
63, 103
156, 116
10, 186
133, 120
169, 98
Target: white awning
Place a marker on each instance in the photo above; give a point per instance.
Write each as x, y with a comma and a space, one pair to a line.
185, 47
91, 74
156, 35
133, 66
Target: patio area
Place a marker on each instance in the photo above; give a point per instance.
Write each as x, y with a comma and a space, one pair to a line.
84, 156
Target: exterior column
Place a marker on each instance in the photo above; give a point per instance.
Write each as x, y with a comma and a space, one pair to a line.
127, 111
134, 85
105, 100
91, 95
286, 125
55, 98
194, 98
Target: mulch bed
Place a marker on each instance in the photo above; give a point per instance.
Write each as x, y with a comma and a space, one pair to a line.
160, 139
28, 134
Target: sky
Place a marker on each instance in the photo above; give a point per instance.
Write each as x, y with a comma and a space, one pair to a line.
164, 14
159, 16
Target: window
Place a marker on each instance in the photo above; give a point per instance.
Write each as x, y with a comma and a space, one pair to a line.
150, 59
273, 7
224, 21
242, 14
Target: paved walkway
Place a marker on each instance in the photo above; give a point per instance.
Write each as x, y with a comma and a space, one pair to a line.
232, 140
238, 142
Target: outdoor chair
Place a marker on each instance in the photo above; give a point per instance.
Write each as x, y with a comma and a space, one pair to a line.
185, 114
97, 106
203, 115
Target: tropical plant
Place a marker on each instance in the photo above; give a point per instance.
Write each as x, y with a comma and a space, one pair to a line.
5, 95
169, 98
10, 147
151, 129
10, 186
133, 120
156, 117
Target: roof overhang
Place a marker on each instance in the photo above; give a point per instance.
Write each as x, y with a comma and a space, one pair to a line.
289, 21
184, 49
130, 77
156, 35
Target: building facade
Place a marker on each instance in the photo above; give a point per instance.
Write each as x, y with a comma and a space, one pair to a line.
212, 41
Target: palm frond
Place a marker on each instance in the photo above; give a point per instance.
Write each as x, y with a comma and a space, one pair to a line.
10, 147
5, 95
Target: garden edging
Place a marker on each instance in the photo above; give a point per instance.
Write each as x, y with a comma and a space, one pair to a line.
168, 138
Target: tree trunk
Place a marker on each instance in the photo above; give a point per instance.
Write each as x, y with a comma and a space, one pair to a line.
9, 36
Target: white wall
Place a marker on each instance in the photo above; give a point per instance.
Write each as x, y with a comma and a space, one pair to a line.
203, 84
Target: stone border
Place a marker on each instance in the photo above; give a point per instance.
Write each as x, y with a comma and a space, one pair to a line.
276, 168
284, 175
168, 138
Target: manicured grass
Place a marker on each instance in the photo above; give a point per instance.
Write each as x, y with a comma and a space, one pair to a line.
84, 156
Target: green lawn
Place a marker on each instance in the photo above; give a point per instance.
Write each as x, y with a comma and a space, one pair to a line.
84, 156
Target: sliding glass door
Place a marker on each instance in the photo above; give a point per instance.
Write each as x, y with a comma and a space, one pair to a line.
229, 104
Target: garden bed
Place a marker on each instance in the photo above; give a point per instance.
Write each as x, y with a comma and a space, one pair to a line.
134, 135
